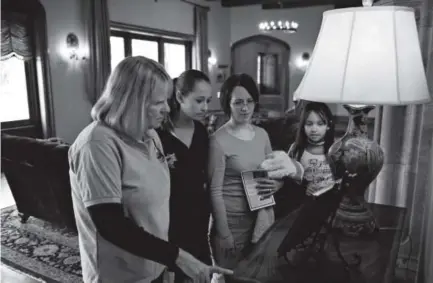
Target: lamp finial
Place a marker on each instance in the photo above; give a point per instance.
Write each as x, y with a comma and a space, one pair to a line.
367, 3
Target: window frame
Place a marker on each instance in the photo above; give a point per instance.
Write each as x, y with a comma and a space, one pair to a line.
129, 32
41, 123
32, 99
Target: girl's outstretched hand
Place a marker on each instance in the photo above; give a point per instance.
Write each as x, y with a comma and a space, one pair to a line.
279, 165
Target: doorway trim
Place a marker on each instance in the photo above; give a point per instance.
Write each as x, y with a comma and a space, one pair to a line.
262, 37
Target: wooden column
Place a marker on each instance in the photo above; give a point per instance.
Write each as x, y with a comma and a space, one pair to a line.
425, 270
405, 140
422, 213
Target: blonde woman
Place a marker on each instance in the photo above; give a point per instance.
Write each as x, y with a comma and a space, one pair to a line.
121, 183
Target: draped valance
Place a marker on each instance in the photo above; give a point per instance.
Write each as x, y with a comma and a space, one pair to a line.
17, 30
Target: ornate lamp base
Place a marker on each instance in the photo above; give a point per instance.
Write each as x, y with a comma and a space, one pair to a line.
356, 154
355, 219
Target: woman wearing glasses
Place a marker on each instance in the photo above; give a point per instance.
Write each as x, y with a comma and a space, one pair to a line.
235, 147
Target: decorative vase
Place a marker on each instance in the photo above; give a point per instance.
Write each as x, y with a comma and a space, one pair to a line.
356, 153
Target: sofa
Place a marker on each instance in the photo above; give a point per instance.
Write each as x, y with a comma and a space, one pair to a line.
37, 172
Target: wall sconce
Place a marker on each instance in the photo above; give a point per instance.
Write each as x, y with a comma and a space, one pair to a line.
212, 61
303, 60
73, 45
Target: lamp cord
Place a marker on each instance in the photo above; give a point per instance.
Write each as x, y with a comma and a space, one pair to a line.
406, 269
408, 257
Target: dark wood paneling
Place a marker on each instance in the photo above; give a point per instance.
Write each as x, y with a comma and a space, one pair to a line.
234, 3
287, 4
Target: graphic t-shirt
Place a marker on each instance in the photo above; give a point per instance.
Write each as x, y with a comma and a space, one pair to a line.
317, 172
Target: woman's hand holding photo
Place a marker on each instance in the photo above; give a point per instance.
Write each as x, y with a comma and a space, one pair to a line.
267, 187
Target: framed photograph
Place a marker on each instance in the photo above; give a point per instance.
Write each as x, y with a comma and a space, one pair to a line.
249, 180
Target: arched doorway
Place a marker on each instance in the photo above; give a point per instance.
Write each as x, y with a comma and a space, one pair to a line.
265, 58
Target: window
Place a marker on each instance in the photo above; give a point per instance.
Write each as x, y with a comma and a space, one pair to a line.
145, 48
173, 54
14, 105
174, 59
117, 46
18, 96
26, 105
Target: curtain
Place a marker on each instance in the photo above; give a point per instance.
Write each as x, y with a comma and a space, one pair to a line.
201, 39
98, 36
16, 29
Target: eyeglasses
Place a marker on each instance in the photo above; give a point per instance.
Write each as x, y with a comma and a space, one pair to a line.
242, 103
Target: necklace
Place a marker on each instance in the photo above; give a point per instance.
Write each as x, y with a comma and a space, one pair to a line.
316, 143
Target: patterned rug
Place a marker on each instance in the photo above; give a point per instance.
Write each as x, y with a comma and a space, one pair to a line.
39, 249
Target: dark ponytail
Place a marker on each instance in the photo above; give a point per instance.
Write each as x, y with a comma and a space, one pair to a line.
172, 101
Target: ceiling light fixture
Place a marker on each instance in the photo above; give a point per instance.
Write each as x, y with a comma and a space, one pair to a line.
287, 26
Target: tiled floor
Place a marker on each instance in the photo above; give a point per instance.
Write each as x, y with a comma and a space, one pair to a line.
8, 275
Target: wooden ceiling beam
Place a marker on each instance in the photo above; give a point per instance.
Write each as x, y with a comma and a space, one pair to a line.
287, 4
236, 3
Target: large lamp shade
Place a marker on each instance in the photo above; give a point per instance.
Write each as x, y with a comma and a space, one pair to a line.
368, 55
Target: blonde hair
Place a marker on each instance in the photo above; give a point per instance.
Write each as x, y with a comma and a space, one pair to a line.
127, 94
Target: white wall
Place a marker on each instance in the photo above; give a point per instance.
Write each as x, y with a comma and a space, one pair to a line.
71, 107
219, 44
171, 15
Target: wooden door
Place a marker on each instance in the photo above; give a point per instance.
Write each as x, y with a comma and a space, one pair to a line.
266, 59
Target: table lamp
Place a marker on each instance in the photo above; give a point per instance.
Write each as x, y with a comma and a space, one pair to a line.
363, 57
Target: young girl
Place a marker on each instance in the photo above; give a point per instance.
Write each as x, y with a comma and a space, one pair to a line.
314, 138
186, 146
